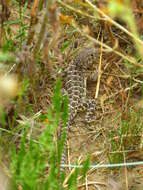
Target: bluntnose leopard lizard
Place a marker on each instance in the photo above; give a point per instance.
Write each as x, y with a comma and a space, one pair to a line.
75, 86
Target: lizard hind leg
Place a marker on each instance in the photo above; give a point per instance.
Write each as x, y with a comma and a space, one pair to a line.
90, 106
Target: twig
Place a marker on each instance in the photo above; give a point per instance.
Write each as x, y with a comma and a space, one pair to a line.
125, 169
93, 183
113, 22
72, 171
125, 90
76, 10
99, 71
130, 59
8, 72
110, 49
33, 21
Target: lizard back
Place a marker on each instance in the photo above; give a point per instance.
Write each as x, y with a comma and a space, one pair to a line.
77, 74
75, 86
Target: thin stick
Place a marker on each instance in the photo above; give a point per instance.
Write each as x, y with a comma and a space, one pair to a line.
72, 171
130, 59
92, 183
99, 71
106, 17
126, 172
76, 10
125, 90
113, 22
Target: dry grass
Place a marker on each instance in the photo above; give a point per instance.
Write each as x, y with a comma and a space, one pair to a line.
116, 135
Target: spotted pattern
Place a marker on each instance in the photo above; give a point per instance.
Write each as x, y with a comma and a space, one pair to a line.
75, 86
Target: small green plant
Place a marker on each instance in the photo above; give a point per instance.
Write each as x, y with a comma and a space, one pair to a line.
123, 10
36, 164
127, 137
11, 40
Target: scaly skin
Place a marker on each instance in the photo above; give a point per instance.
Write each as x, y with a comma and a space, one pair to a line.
75, 86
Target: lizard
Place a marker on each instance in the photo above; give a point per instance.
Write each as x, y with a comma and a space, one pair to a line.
75, 86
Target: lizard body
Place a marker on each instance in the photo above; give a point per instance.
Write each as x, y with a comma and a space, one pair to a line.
75, 86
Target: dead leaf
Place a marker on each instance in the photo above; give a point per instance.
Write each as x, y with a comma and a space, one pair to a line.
109, 80
66, 19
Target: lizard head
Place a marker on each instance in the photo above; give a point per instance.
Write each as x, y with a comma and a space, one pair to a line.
87, 59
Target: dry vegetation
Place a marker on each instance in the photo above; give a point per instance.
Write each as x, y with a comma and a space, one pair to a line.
38, 39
